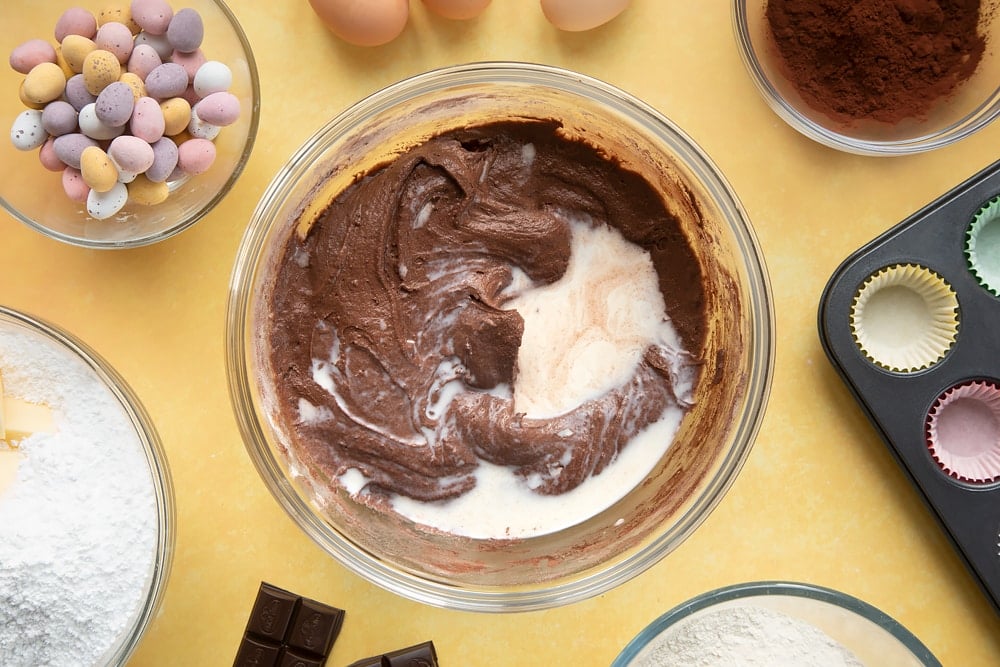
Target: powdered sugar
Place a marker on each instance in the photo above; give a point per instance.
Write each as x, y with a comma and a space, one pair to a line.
78, 528
745, 636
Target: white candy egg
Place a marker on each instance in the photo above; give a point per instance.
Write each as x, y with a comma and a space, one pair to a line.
103, 205
27, 133
212, 77
578, 15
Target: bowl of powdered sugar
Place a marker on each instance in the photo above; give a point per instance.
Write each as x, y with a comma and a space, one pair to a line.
873, 77
86, 506
775, 623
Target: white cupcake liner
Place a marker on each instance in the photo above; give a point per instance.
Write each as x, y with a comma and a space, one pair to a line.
984, 258
905, 318
963, 432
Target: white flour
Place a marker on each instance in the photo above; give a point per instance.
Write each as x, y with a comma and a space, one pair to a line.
78, 527
745, 637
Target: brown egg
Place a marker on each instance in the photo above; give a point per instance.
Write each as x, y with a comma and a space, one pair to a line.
577, 15
457, 9
363, 22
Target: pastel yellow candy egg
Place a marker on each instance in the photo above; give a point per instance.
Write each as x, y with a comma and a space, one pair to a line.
61, 61
134, 81
26, 102
98, 170
100, 68
176, 115
44, 83
146, 192
75, 49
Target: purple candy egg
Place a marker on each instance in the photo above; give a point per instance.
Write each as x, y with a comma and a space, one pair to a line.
167, 80
77, 93
164, 160
114, 104
59, 118
69, 148
186, 30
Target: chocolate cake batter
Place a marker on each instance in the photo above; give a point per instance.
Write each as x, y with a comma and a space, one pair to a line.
393, 350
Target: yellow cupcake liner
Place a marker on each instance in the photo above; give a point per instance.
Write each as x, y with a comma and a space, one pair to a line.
904, 318
982, 245
963, 432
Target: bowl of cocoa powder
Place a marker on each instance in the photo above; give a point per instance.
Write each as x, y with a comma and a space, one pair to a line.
874, 77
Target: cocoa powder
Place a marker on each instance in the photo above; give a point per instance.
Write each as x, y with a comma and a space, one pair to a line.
885, 60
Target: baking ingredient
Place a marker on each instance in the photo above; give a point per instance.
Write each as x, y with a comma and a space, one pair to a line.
284, 627
457, 9
76, 552
744, 636
418, 655
403, 375
20, 418
127, 81
886, 61
363, 22
579, 15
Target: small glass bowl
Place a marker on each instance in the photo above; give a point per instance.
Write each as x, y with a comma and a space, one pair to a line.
35, 196
874, 637
134, 627
973, 106
714, 438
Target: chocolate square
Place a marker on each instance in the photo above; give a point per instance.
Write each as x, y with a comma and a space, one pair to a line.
256, 653
315, 627
272, 612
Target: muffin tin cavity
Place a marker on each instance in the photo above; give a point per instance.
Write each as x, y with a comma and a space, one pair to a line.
963, 432
906, 322
905, 318
982, 245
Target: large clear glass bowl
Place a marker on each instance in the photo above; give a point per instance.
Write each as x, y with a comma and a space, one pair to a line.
713, 440
134, 627
873, 636
34, 195
974, 105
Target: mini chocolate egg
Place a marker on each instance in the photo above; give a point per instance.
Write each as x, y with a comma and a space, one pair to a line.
94, 127
134, 82
158, 42
195, 156
147, 120
28, 54
186, 30
76, 92
114, 105
578, 15
100, 68
190, 61
363, 22
219, 109
199, 128
457, 9
116, 38
47, 156
176, 115
103, 205
166, 81
99, 172
164, 160
212, 77
44, 83
75, 49
27, 133
146, 192
131, 154
153, 16
143, 60
74, 186
59, 118
76, 21
118, 13
69, 148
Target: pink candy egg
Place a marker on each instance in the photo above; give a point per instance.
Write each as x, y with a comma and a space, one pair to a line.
131, 154
76, 21
147, 120
25, 56
47, 156
144, 59
74, 185
195, 156
219, 109
153, 16
116, 38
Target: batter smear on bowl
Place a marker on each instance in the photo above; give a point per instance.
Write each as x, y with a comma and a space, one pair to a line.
498, 298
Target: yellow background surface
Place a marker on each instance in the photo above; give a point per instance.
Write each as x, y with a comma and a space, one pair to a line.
820, 499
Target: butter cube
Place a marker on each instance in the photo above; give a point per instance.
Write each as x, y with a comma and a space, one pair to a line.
9, 460
19, 419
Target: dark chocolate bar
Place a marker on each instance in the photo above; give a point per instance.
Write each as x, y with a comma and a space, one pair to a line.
418, 655
288, 630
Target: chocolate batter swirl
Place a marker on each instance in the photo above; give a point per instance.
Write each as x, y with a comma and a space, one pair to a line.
393, 348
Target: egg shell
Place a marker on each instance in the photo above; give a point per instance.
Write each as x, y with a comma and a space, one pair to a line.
76, 21
76, 92
44, 83
116, 38
191, 62
99, 172
200, 129
146, 192
220, 109
75, 49
131, 154
69, 148
457, 9
164, 160
195, 156
59, 118
103, 205
94, 127
118, 13
147, 120
135, 84
73, 185
369, 23
114, 105
159, 44
167, 80
176, 115
579, 15
25, 101
186, 30
100, 68
33, 52
153, 16
212, 77
26, 132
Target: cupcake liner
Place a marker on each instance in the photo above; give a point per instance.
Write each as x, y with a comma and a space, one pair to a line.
982, 246
904, 318
963, 432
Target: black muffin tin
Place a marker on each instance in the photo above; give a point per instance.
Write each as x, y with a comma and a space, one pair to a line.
897, 404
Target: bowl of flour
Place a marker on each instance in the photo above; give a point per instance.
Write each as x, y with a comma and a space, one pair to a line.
775, 623
86, 503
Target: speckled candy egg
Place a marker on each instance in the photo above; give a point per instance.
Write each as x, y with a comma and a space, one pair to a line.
27, 133
159, 44
75, 49
76, 92
147, 121
59, 118
220, 109
153, 16
69, 147
100, 68
94, 127
28, 54
74, 186
146, 192
195, 156
116, 38
131, 154
186, 30
75, 21
103, 205
99, 172
44, 83
114, 104
167, 80
164, 160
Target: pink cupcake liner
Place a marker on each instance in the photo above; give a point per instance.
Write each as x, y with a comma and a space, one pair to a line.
963, 432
